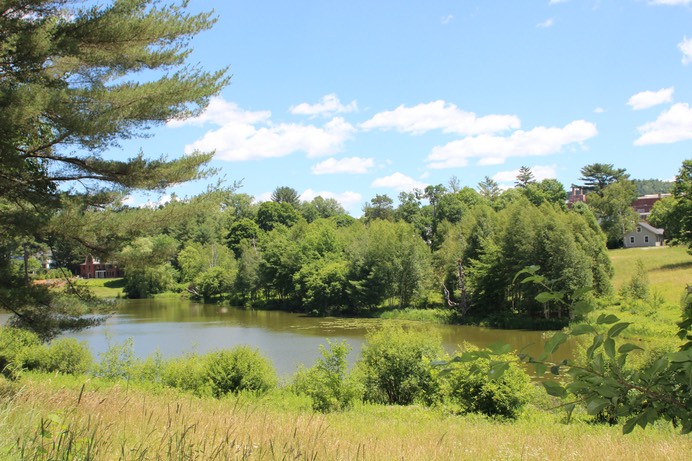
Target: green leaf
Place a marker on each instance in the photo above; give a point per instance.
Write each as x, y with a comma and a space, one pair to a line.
579, 292
554, 389
499, 348
540, 368
582, 329
658, 366
617, 329
628, 347
597, 363
597, 341
678, 357
547, 296
609, 347
629, 425
595, 405
606, 319
554, 342
497, 369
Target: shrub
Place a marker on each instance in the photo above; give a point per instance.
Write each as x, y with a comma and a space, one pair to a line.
187, 373
469, 385
15, 344
238, 369
118, 361
395, 365
328, 383
65, 355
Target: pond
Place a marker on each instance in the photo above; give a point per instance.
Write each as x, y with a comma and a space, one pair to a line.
176, 327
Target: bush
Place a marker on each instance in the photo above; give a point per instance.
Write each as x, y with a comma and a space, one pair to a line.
65, 355
15, 345
395, 365
327, 383
469, 385
239, 369
118, 361
187, 373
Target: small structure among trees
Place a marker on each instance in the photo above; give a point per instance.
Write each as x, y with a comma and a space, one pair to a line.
93, 268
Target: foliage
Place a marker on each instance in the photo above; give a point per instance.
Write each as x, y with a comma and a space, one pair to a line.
469, 382
187, 373
524, 177
652, 186
239, 369
14, 343
118, 361
64, 355
612, 206
607, 387
395, 365
638, 286
598, 176
328, 382
682, 191
71, 89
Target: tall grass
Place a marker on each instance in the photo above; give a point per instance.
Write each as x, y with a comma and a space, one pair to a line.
45, 421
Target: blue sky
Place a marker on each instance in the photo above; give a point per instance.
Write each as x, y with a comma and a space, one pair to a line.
348, 99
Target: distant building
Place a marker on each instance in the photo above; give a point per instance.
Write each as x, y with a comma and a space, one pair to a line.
575, 195
92, 268
645, 203
644, 235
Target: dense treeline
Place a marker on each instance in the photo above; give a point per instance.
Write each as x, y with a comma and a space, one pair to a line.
313, 257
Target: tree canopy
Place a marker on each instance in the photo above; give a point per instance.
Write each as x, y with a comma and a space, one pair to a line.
72, 87
597, 176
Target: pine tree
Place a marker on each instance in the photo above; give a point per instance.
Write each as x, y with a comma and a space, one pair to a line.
70, 89
525, 177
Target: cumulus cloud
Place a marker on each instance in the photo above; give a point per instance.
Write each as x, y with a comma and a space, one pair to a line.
494, 150
686, 47
245, 135
545, 24
672, 125
647, 99
540, 172
399, 182
328, 106
347, 199
439, 115
352, 165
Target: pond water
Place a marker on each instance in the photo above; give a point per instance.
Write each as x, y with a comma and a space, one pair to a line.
175, 327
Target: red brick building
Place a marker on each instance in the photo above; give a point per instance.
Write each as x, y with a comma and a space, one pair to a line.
92, 268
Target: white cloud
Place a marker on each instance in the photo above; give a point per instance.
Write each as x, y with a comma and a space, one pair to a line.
447, 19
599, 110
221, 112
686, 47
439, 115
540, 172
329, 106
494, 150
399, 182
647, 99
672, 125
353, 165
670, 2
244, 135
555, 2
347, 199
545, 24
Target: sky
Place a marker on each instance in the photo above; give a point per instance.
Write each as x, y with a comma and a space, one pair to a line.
349, 99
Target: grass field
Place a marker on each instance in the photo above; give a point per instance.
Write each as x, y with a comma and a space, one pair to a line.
669, 269
57, 420
105, 288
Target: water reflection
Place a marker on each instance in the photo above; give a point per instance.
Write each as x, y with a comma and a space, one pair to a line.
175, 327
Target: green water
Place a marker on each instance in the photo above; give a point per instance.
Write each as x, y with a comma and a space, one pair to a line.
175, 327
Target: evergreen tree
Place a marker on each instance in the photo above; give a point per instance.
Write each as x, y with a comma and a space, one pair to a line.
598, 176
285, 194
489, 189
525, 177
67, 94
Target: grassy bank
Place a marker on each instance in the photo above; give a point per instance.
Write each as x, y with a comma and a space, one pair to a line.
105, 288
114, 422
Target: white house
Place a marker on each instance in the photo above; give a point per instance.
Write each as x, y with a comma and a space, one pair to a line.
644, 235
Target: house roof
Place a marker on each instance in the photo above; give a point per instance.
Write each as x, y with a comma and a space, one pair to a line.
650, 228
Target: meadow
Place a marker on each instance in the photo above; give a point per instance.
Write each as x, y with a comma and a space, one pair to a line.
56, 416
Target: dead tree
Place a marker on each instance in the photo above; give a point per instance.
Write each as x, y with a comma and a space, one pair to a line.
461, 306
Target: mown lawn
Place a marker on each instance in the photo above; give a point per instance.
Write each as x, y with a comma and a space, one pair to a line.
105, 288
